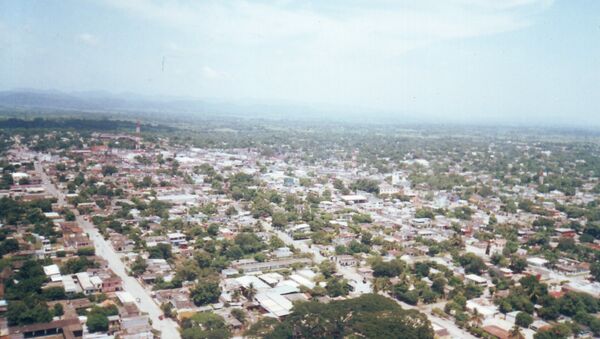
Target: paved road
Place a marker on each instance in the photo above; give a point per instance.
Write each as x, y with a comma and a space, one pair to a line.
144, 301
48, 185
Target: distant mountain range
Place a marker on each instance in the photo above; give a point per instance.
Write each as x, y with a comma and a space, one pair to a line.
32, 102
104, 102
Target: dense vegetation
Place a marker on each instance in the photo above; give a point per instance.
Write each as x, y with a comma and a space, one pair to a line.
368, 316
76, 124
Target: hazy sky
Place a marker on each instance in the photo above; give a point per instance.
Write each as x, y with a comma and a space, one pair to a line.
517, 60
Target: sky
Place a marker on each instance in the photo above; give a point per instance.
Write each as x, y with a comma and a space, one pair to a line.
515, 61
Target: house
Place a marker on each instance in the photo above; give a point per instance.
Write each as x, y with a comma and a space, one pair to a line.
274, 304
283, 252
346, 260
65, 328
111, 284
77, 241
250, 265
472, 278
537, 262
272, 278
302, 281
179, 298
177, 239
299, 229
421, 222
570, 267
121, 243
52, 272
565, 232
136, 327
440, 331
69, 285
496, 332
86, 284
483, 306
354, 199
388, 189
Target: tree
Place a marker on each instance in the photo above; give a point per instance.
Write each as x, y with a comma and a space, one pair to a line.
381, 284
261, 208
389, 269
328, 268
58, 310
424, 213
213, 230
69, 216
279, 219
595, 270
275, 242
560, 331
463, 213
188, 270
231, 211
524, 319
476, 317
205, 292
472, 263
86, 251
29, 311
8, 246
262, 328
160, 251
108, 170
566, 244
239, 314
368, 316
361, 218
54, 293
167, 309
428, 295
139, 266
586, 238
249, 242
337, 287
518, 264
438, 285
421, 269
250, 292
409, 297
97, 321
205, 325
367, 185
76, 265
515, 333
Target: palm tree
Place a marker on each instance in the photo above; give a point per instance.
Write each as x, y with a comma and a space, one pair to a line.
515, 333
537, 292
236, 295
476, 318
250, 292
381, 284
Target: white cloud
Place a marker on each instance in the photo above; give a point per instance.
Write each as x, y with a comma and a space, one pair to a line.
322, 51
88, 39
211, 73
387, 26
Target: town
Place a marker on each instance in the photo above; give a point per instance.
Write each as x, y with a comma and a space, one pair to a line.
143, 234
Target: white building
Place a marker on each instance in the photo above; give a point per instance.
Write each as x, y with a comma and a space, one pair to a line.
177, 239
